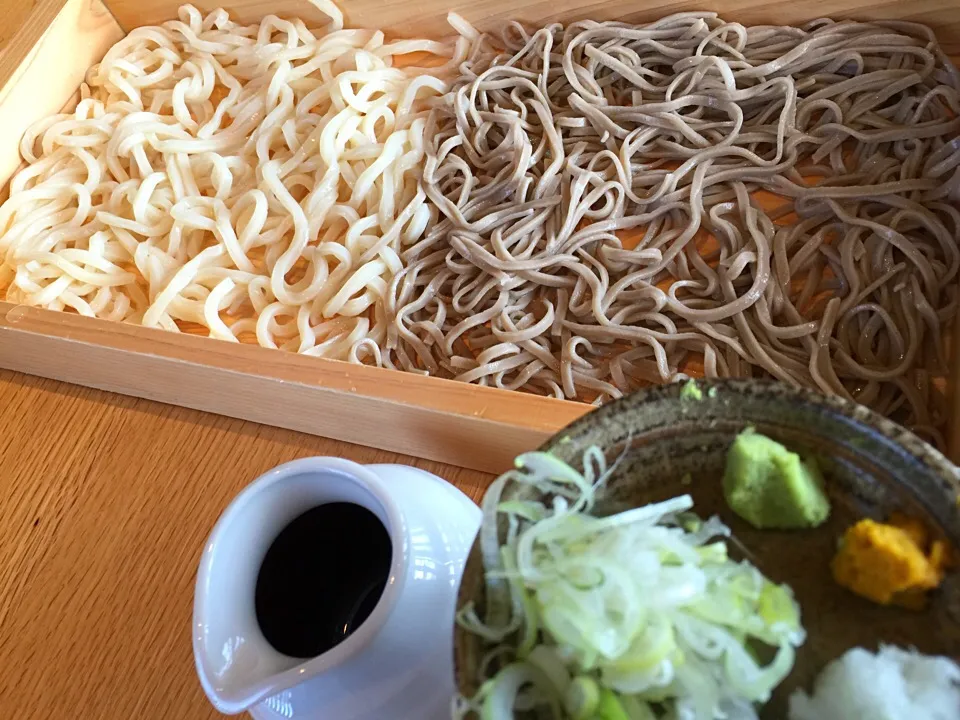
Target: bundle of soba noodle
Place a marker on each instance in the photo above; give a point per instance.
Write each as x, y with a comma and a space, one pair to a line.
603, 225
255, 180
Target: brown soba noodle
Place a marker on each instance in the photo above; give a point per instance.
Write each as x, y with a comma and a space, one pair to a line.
624, 204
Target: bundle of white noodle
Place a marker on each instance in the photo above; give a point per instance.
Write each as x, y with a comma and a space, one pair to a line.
257, 180
636, 615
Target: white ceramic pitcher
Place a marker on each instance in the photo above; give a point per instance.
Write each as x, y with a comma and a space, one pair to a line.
398, 665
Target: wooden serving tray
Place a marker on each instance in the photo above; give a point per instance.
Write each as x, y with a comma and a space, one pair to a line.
48, 46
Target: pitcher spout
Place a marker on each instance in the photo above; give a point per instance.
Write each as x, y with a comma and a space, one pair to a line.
236, 678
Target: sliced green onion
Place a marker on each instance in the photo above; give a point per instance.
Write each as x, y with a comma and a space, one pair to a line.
583, 698
610, 707
598, 617
501, 694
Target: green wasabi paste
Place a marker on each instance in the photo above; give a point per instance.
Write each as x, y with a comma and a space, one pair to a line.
691, 391
771, 487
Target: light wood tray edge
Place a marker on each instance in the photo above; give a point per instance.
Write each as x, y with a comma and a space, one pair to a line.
466, 425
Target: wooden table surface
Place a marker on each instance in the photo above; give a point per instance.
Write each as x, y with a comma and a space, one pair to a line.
104, 505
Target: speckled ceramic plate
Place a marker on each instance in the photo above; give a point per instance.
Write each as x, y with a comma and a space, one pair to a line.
872, 466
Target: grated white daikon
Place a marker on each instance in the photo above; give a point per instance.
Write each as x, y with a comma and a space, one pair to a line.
894, 684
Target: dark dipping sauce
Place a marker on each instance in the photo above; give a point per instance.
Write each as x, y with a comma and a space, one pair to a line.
321, 578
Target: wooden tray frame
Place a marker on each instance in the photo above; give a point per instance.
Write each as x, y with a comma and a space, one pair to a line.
44, 53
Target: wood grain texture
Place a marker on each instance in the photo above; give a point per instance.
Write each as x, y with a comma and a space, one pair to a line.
44, 60
466, 425
429, 16
105, 504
